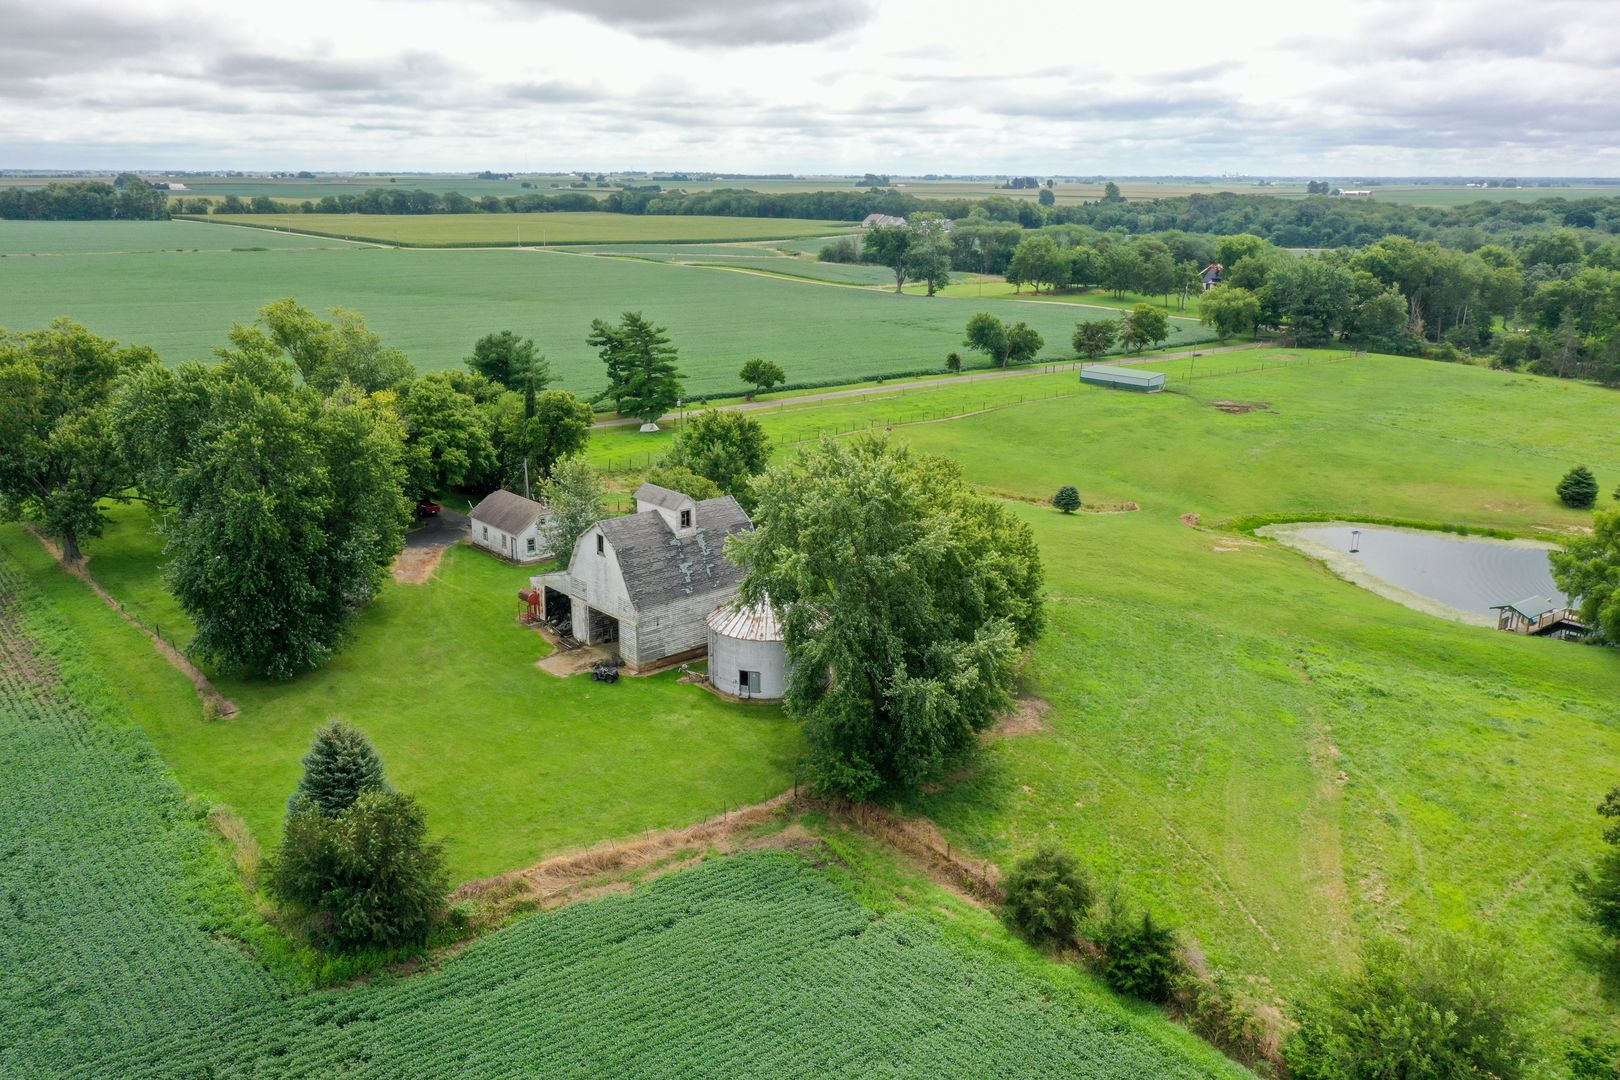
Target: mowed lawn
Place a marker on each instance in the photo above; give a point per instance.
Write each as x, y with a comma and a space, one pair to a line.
456, 230
435, 304
510, 762
1278, 760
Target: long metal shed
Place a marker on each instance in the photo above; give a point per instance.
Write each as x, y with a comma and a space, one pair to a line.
1119, 378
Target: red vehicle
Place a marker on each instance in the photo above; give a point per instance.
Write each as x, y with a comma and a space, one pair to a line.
427, 509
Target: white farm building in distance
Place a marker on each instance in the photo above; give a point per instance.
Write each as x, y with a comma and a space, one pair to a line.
510, 526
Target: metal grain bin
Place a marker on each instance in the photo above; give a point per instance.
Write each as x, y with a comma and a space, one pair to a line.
746, 656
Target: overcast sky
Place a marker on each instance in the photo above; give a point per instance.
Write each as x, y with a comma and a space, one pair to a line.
1410, 87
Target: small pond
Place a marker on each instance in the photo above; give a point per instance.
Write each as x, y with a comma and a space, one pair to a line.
1466, 575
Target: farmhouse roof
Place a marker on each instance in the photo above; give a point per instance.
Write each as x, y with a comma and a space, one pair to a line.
508, 511
659, 566
668, 498
873, 220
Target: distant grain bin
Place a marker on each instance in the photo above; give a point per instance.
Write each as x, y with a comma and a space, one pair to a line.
1119, 378
746, 656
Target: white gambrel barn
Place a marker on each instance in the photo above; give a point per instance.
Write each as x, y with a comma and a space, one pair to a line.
511, 526
649, 580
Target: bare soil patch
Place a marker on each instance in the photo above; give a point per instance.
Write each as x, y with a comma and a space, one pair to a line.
1029, 718
215, 704
416, 565
1237, 408
564, 663
1190, 520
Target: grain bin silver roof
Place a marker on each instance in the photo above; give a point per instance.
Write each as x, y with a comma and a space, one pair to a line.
745, 622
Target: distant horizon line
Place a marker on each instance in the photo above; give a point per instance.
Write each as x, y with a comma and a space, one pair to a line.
226, 172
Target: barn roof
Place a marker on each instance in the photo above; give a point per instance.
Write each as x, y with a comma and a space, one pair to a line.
659, 566
668, 498
508, 511
746, 622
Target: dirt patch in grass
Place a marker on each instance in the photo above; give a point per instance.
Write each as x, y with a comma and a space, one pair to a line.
1029, 718
1237, 408
564, 663
614, 867
1190, 520
416, 565
215, 704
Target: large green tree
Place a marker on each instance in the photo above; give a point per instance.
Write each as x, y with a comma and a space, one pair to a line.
512, 361
761, 375
1230, 310
59, 457
330, 352
929, 255
447, 435
890, 245
1142, 326
288, 506
1588, 568
643, 379
1314, 295
557, 426
1095, 337
728, 448
906, 599
1005, 343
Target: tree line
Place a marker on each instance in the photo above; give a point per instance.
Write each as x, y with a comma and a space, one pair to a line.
127, 198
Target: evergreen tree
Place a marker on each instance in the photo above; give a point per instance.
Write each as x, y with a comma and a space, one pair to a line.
340, 765
643, 380
1067, 499
1578, 490
1048, 894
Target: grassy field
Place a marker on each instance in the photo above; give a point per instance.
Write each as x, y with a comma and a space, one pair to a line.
519, 764
473, 230
435, 304
983, 286
23, 238
119, 961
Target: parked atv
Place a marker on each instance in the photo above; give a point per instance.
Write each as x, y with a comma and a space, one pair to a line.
605, 671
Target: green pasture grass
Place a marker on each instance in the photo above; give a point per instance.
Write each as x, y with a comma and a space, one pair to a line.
24, 238
435, 304
1446, 195
132, 908
625, 449
466, 230
980, 286
510, 762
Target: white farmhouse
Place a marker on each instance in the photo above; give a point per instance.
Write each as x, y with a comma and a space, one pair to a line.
649, 580
511, 526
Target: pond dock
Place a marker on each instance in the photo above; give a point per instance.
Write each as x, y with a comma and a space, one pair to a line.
1540, 616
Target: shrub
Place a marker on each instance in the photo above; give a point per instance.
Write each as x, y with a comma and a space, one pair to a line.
363, 879
1048, 893
846, 249
1139, 955
1593, 1058
953, 364
1067, 499
1578, 490
1599, 887
1445, 1007
340, 765
1221, 1012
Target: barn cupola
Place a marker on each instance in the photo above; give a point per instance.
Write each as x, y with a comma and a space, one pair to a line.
679, 510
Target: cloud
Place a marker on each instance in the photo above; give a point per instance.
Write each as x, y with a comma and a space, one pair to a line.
406, 75
553, 92
720, 22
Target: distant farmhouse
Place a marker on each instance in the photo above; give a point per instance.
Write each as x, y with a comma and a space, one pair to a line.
651, 580
1212, 275
1362, 194
510, 526
873, 221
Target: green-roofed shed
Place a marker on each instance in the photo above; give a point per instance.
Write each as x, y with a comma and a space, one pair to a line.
1122, 378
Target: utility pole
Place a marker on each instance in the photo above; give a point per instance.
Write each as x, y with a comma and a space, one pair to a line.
527, 494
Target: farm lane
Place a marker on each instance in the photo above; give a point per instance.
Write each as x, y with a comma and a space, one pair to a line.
889, 388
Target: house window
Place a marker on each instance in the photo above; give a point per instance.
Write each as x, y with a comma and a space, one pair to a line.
486, 532
531, 545
601, 547
747, 682
686, 519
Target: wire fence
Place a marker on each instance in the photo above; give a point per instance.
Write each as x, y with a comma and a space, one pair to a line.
634, 464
